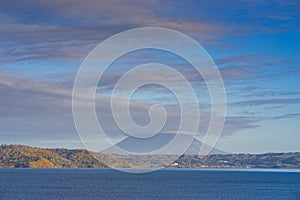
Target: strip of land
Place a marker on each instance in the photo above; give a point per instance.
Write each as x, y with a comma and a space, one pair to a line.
19, 156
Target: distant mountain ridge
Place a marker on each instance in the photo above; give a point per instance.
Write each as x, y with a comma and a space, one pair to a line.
18, 156
267, 160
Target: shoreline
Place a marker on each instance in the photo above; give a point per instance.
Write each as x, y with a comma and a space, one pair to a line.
283, 170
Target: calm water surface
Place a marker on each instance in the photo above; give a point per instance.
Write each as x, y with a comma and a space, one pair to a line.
90, 184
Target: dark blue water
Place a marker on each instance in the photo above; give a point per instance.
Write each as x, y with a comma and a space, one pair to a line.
88, 184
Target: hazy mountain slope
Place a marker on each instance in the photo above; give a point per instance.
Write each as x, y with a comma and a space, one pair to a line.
138, 145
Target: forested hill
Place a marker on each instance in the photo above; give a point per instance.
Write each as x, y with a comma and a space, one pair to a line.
18, 156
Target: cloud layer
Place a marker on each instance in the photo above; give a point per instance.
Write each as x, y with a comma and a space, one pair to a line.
255, 44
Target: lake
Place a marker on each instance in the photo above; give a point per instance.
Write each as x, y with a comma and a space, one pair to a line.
90, 184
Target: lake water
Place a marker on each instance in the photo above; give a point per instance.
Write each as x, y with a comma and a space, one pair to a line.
90, 184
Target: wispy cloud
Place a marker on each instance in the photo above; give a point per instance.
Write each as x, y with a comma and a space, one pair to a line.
288, 116
259, 102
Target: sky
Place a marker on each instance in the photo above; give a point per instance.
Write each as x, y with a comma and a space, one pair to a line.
255, 45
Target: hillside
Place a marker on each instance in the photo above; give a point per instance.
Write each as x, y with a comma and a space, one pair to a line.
268, 160
17, 156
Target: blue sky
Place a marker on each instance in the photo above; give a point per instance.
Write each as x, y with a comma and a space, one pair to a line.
255, 44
